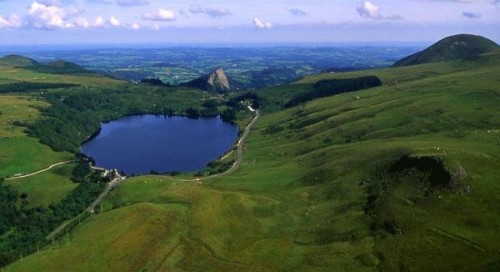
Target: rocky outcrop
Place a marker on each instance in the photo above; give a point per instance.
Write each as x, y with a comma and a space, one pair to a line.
216, 81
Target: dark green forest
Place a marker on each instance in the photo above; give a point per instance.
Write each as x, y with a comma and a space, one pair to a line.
23, 228
329, 87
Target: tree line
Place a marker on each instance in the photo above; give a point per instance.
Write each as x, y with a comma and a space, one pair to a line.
23, 228
329, 87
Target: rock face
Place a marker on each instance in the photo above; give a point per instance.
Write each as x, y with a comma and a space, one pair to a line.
462, 46
216, 81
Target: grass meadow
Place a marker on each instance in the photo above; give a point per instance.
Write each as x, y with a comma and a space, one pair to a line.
299, 200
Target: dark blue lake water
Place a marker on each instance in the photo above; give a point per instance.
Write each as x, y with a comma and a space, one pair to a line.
141, 144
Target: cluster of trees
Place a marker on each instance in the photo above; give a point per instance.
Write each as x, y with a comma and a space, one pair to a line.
329, 87
154, 82
254, 99
75, 115
23, 228
26, 87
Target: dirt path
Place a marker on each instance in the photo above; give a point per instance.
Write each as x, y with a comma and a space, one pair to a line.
41, 171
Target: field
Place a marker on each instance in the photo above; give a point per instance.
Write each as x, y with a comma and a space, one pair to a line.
246, 67
315, 189
22, 154
47, 187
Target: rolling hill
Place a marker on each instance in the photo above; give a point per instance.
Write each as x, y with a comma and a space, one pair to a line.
457, 47
399, 177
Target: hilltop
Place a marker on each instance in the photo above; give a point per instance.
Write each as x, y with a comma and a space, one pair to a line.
18, 61
52, 67
457, 47
216, 81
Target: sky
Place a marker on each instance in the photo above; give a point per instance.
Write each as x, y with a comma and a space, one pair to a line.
243, 22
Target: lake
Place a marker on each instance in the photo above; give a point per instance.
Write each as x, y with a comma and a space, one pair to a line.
145, 143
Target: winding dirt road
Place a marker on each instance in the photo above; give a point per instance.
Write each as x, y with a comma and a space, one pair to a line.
41, 171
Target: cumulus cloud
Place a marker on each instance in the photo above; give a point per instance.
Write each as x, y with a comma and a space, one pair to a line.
12, 22
212, 12
113, 21
159, 15
370, 10
98, 22
131, 3
471, 15
259, 24
297, 12
49, 17
134, 26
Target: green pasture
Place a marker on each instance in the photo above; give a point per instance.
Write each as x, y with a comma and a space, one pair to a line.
47, 187
300, 200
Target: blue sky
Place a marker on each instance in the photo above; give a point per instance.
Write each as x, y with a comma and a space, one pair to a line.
251, 21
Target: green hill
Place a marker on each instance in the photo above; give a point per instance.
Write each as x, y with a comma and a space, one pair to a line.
399, 177
18, 61
53, 67
462, 46
60, 67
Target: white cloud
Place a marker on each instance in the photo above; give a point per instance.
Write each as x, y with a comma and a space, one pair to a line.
259, 24
12, 22
131, 3
159, 15
114, 21
98, 22
135, 26
370, 10
212, 12
49, 17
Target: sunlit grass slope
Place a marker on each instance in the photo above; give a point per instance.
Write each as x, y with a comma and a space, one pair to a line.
47, 187
300, 201
20, 153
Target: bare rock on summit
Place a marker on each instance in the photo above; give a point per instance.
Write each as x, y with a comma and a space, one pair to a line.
216, 81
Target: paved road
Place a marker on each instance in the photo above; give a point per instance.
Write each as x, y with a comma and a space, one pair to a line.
239, 155
241, 142
112, 184
41, 171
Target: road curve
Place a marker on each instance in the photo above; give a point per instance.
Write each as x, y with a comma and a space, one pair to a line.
41, 171
240, 144
239, 155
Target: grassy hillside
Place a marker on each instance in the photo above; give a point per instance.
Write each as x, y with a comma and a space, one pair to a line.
17, 61
45, 188
325, 186
457, 47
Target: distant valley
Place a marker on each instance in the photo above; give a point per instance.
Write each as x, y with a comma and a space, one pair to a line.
248, 68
